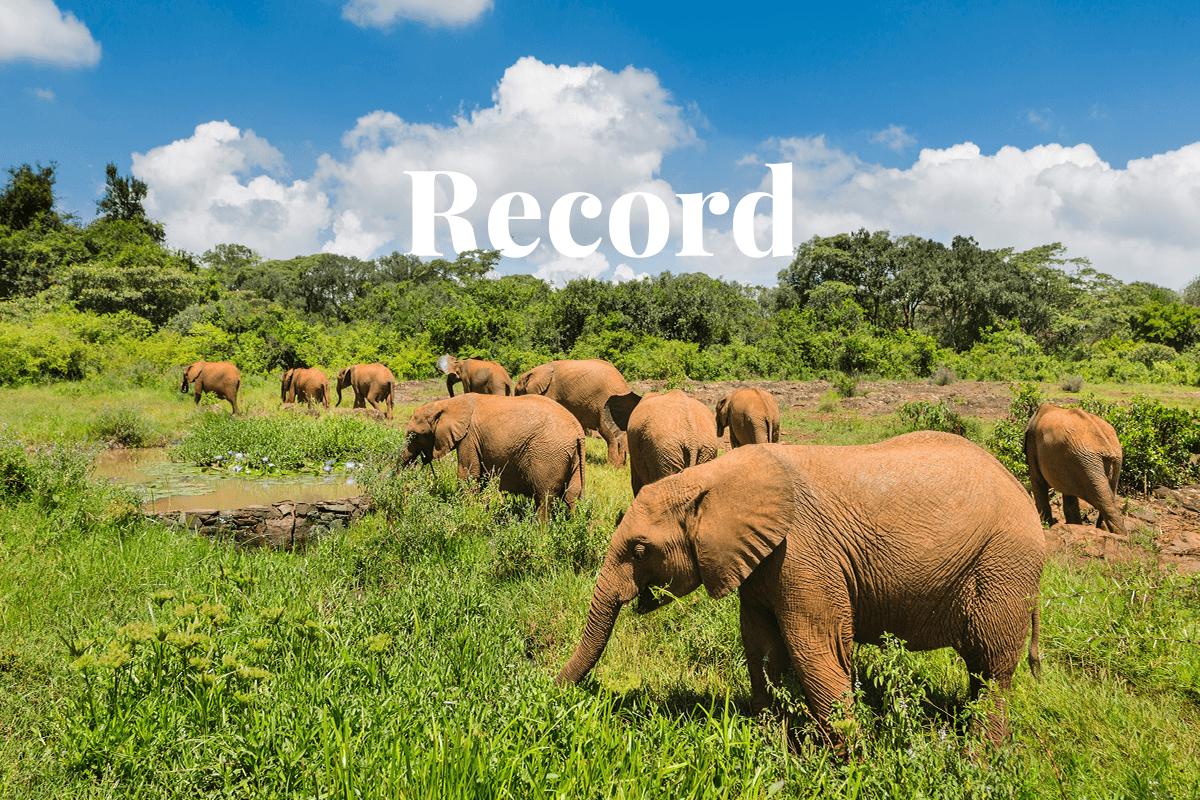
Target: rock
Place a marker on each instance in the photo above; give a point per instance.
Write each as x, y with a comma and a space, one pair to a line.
1144, 514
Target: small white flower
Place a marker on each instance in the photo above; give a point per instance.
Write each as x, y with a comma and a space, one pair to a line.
264, 459
349, 465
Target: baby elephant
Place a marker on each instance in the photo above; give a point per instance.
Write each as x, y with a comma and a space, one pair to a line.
535, 445
667, 434
1078, 454
751, 415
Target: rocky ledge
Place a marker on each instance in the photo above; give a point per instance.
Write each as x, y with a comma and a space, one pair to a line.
283, 526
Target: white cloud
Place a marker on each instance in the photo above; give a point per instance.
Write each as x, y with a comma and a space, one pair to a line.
551, 130
203, 189
1039, 119
623, 272
1138, 223
894, 137
382, 13
35, 30
43, 94
558, 270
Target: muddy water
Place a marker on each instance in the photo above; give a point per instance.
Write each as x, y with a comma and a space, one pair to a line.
170, 486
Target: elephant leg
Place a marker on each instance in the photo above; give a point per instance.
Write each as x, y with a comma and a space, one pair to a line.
1071, 509
1041, 492
734, 441
1108, 513
766, 653
820, 650
992, 673
612, 436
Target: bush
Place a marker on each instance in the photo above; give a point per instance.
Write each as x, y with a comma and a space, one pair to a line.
1157, 442
922, 415
846, 384
944, 376
286, 443
123, 426
1072, 383
1007, 439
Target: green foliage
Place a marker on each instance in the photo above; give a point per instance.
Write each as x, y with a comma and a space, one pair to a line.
944, 376
923, 415
1073, 384
845, 384
122, 201
124, 426
1157, 442
279, 443
1007, 440
28, 195
1173, 324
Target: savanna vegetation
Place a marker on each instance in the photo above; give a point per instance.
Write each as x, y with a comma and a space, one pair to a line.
413, 654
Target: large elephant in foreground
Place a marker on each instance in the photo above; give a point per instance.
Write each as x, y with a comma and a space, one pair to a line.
751, 415
668, 432
219, 377
925, 536
476, 375
372, 383
1078, 454
534, 444
583, 388
306, 385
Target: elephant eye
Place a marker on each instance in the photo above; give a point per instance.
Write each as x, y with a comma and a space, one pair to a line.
639, 551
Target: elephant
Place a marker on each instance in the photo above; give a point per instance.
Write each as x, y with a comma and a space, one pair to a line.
305, 384
476, 375
583, 388
1078, 454
667, 433
925, 536
751, 415
219, 377
372, 383
533, 443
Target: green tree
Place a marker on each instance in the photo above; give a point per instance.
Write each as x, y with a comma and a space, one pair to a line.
1191, 292
28, 195
123, 201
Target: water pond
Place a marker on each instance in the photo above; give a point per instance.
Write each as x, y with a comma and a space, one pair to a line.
171, 486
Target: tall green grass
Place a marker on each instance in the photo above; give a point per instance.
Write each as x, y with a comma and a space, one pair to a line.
413, 655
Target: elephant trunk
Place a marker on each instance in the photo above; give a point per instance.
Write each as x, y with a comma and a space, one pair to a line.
602, 616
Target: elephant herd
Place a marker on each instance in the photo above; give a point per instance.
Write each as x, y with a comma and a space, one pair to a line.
925, 536
372, 383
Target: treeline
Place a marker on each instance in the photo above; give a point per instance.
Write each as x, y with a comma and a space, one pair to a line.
109, 297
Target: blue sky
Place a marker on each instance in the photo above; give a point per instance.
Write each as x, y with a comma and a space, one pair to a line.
1057, 99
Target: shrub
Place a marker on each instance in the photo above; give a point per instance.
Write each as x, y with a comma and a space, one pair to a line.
1157, 442
1072, 383
922, 415
944, 376
1007, 439
124, 426
829, 402
846, 384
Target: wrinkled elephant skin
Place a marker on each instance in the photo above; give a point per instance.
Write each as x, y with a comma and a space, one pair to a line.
219, 377
925, 536
475, 375
306, 385
667, 434
1078, 454
751, 415
535, 445
372, 383
583, 388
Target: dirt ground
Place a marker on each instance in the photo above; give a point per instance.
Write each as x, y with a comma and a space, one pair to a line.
1163, 526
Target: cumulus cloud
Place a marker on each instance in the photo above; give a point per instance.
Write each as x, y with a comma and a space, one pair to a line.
205, 190
1138, 223
43, 94
551, 130
623, 273
894, 137
558, 269
35, 30
382, 13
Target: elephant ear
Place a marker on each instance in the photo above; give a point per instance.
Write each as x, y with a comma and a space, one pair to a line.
744, 510
446, 364
451, 424
618, 409
722, 415
538, 379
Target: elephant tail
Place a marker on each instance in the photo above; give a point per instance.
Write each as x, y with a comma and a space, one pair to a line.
1035, 659
580, 457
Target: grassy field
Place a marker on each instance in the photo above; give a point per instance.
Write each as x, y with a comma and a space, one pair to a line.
413, 655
